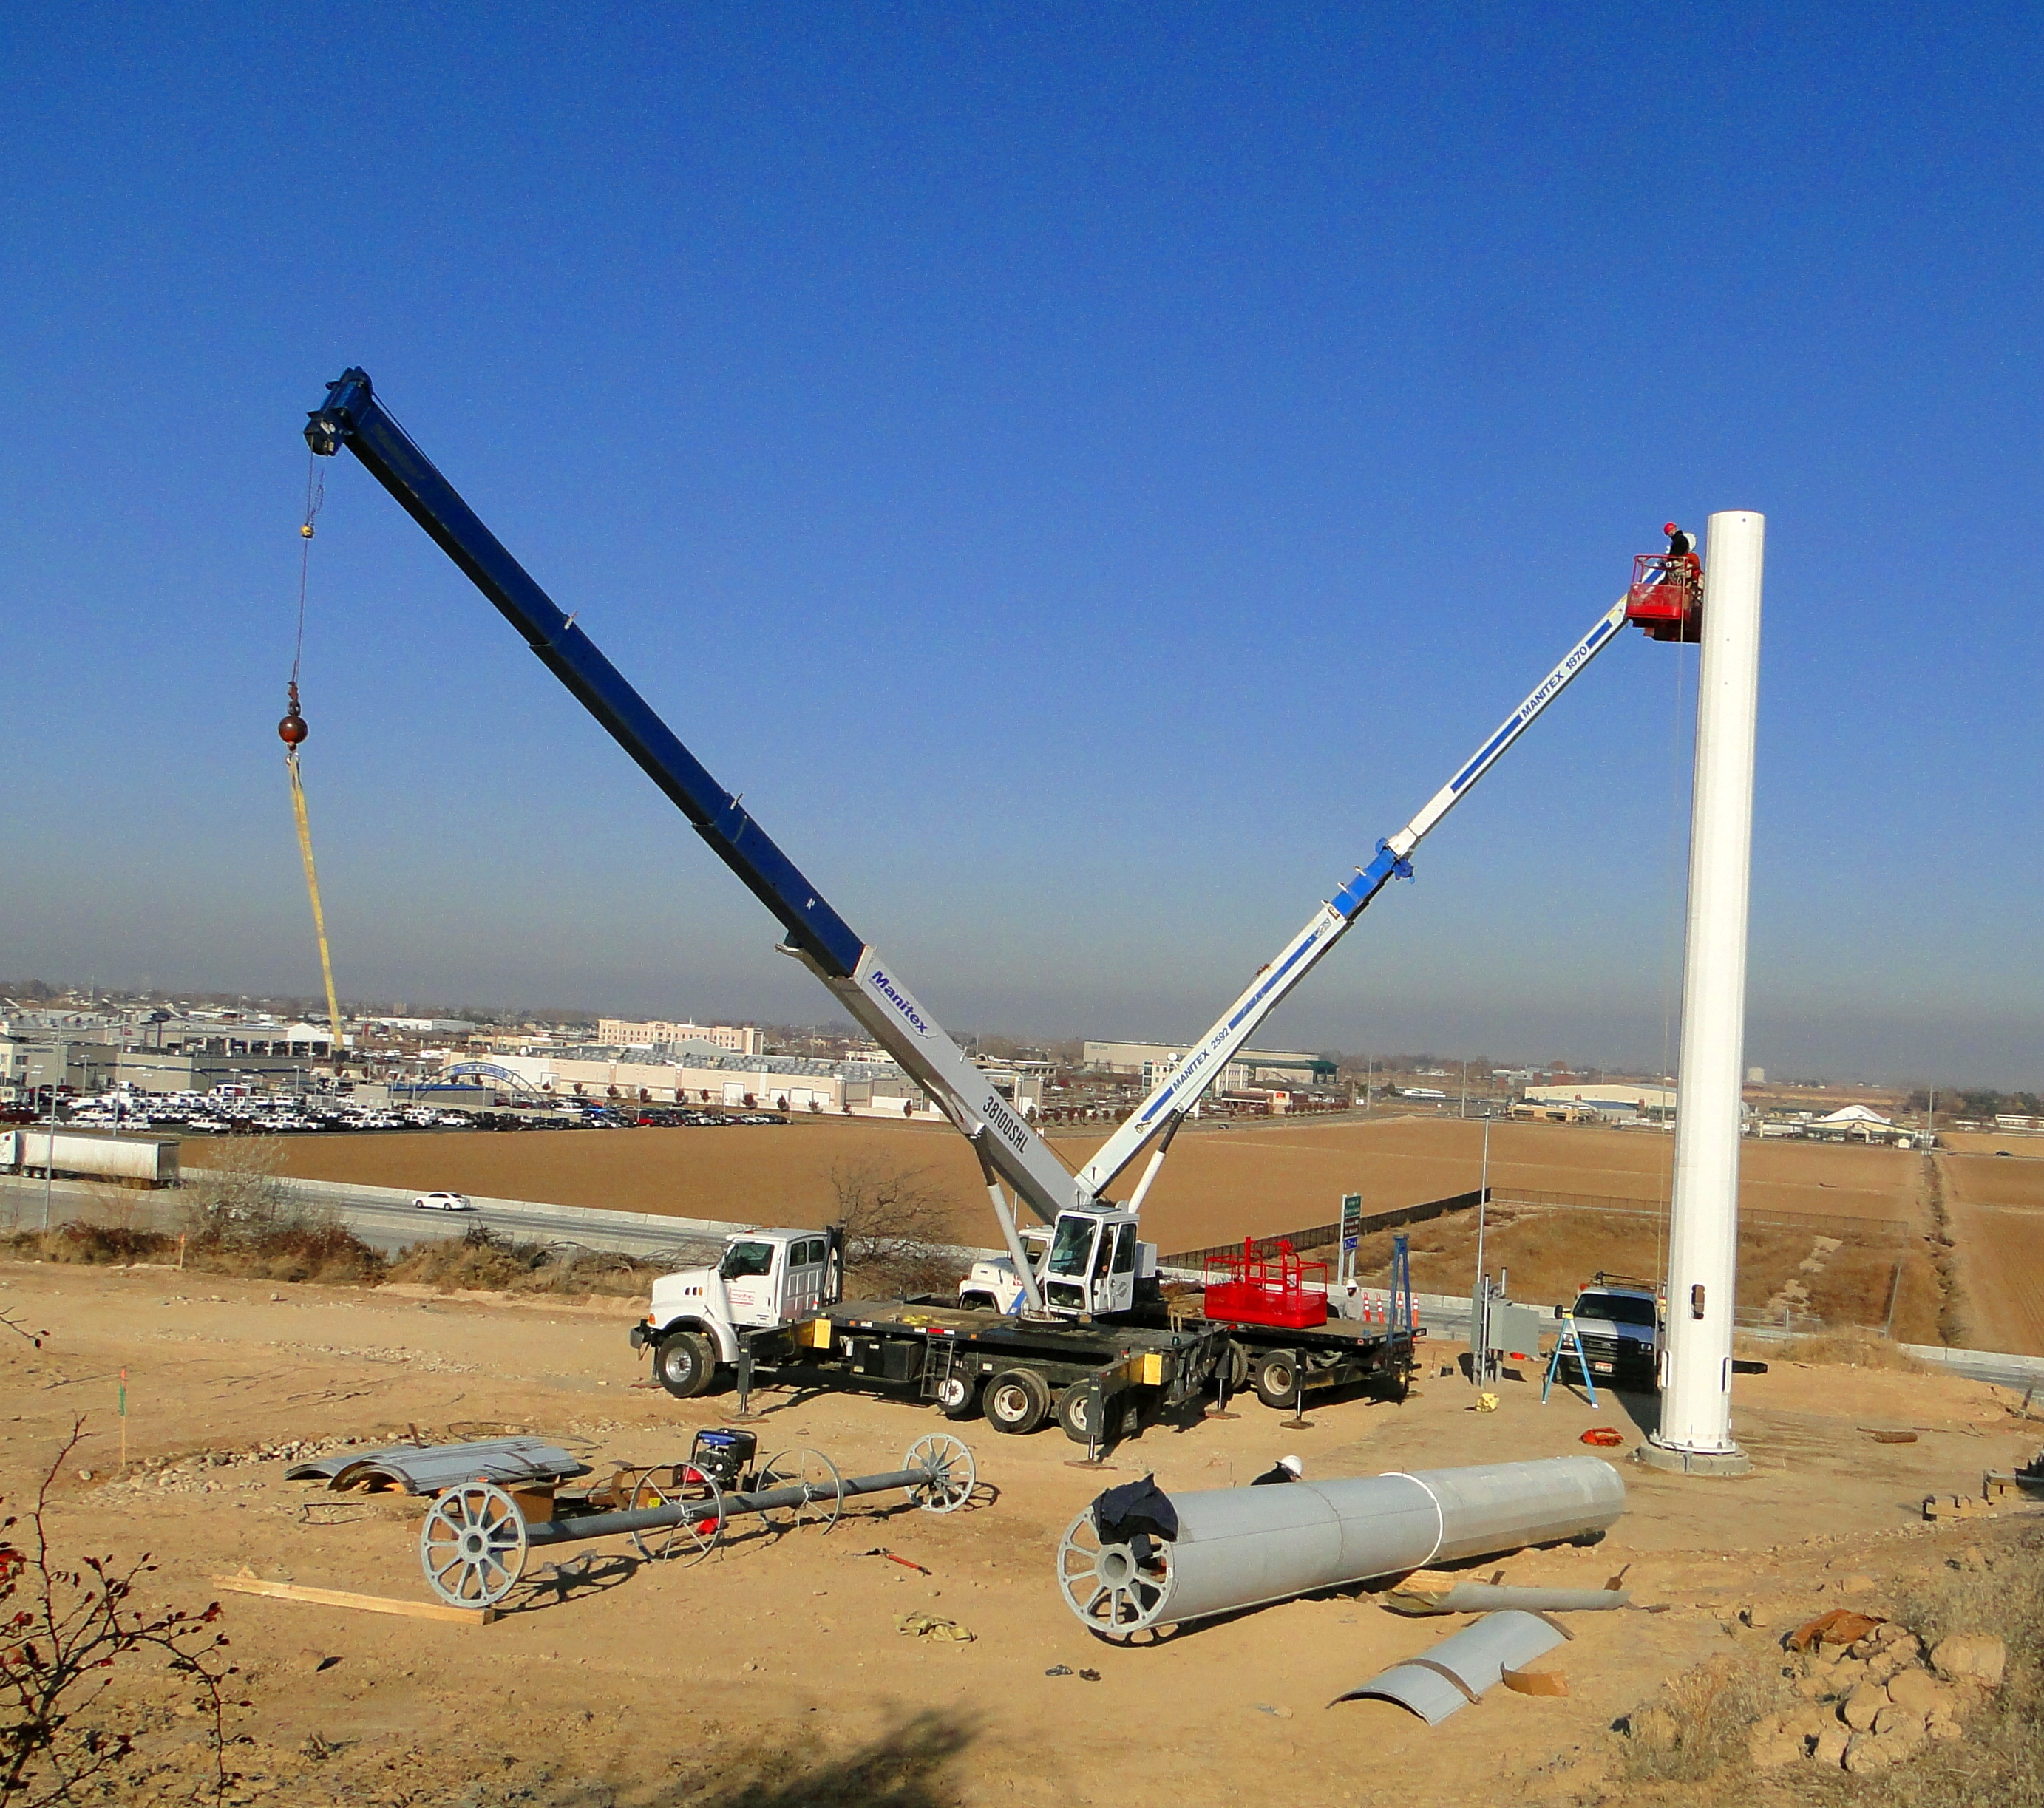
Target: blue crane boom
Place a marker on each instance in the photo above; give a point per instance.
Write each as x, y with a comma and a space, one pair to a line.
354, 417
1008, 1147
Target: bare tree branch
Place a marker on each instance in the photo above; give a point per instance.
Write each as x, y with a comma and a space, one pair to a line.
60, 1650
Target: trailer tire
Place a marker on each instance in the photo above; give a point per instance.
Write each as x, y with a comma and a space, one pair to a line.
1072, 1416
1017, 1402
1237, 1359
1277, 1378
684, 1365
958, 1396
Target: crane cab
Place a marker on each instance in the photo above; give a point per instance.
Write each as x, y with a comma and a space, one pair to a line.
1666, 599
1091, 1262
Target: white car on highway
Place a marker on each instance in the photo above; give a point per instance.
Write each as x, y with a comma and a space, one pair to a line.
443, 1202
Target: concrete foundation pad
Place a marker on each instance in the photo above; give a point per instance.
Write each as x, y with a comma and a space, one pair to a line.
1719, 1463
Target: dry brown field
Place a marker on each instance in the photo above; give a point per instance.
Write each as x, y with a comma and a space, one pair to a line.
2018, 1144
1218, 1183
1996, 1206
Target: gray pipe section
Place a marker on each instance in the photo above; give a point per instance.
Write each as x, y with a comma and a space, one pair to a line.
1248, 1546
1488, 1598
767, 1500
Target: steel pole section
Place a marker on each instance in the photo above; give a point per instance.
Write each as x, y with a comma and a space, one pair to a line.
1243, 1547
1695, 1432
588, 1526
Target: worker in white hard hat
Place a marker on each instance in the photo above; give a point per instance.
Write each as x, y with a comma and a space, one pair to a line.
1285, 1469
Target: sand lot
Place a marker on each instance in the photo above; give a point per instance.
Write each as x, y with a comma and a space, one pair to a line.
1217, 1184
632, 1683
1996, 1205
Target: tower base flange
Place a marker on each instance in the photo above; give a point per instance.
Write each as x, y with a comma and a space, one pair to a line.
1724, 1464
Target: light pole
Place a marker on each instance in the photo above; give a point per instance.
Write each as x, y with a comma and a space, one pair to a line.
50, 1150
1482, 1198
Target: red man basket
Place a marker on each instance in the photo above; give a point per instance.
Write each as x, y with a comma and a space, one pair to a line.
1666, 597
1253, 1289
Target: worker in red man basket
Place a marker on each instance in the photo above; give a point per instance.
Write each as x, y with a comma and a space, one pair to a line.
1680, 545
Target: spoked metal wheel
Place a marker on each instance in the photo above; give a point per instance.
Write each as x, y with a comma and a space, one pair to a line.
676, 1484
822, 1489
1113, 1594
952, 1474
472, 1546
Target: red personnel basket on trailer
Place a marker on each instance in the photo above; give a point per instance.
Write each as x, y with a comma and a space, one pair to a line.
1666, 597
1252, 1289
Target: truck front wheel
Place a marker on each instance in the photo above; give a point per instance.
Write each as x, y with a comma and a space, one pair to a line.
1017, 1402
1277, 1380
684, 1365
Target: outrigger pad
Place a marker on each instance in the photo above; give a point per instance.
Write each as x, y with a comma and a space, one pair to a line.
1135, 1512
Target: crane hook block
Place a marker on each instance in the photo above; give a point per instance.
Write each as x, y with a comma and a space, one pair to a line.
292, 731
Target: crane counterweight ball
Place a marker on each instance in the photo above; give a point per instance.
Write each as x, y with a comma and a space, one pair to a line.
292, 730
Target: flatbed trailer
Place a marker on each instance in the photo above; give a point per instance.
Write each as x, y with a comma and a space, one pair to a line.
1284, 1363
1099, 1380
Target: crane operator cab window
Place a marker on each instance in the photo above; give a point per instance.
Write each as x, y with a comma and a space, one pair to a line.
1071, 1250
1092, 1267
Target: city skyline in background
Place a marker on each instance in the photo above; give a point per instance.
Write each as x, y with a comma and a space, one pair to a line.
1083, 479
1406, 1058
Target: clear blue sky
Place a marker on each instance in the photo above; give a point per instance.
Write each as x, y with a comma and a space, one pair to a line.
1084, 473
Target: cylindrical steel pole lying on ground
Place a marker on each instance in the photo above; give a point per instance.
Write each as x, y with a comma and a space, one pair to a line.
1244, 1547
474, 1540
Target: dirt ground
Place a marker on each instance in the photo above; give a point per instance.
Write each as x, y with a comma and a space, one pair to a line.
1219, 1183
1996, 1206
628, 1683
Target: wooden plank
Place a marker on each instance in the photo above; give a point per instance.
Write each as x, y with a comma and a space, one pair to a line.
365, 1604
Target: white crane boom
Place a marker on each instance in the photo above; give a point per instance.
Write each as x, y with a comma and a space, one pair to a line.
1207, 1059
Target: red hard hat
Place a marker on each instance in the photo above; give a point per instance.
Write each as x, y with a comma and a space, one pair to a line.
1670, 527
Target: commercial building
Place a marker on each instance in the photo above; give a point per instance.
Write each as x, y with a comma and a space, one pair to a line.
1609, 1098
655, 1032
1250, 1069
150, 1070
83, 1067
698, 1074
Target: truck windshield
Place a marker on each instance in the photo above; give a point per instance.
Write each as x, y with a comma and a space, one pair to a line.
743, 1259
1615, 1308
1071, 1252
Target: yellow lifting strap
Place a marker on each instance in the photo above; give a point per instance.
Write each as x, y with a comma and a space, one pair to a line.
311, 885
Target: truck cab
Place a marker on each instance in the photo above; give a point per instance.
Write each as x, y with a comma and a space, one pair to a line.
1087, 1264
764, 1277
1618, 1320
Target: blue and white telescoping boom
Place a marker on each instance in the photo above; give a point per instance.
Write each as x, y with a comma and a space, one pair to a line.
1180, 1090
